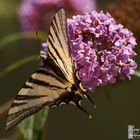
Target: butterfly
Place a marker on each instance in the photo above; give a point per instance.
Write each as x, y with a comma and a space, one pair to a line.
54, 83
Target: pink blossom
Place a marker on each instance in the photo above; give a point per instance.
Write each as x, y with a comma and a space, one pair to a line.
36, 14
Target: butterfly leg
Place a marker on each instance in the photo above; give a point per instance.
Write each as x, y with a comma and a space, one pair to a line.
82, 109
90, 99
77, 100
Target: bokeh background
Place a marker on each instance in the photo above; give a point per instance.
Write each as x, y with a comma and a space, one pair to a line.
117, 105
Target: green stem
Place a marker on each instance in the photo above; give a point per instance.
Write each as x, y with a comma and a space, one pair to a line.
17, 64
137, 73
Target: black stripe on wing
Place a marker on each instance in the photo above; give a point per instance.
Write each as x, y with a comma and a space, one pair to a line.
56, 51
29, 97
57, 33
50, 34
48, 73
17, 104
57, 54
63, 20
43, 83
27, 86
49, 63
55, 24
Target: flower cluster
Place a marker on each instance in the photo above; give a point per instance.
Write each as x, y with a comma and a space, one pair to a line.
102, 49
36, 14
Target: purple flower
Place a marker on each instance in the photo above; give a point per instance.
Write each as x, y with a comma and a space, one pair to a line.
102, 49
36, 14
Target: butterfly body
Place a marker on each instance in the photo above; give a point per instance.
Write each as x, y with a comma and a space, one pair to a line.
54, 83
72, 92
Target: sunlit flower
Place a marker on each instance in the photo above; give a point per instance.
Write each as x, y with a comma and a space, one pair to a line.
102, 50
36, 14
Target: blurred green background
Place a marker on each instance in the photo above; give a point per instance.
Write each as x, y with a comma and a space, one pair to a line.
117, 106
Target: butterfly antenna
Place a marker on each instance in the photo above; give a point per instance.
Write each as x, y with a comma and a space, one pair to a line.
90, 99
84, 110
38, 42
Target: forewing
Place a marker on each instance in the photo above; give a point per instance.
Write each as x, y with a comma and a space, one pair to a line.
59, 45
47, 86
43, 88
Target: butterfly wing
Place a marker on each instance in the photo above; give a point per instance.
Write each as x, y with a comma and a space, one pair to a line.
44, 87
59, 45
49, 85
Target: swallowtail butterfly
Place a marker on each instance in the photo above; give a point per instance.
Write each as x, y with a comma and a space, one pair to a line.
54, 83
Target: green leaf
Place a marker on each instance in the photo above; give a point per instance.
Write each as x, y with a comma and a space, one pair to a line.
137, 73
32, 127
17, 64
39, 123
19, 36
26, 128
